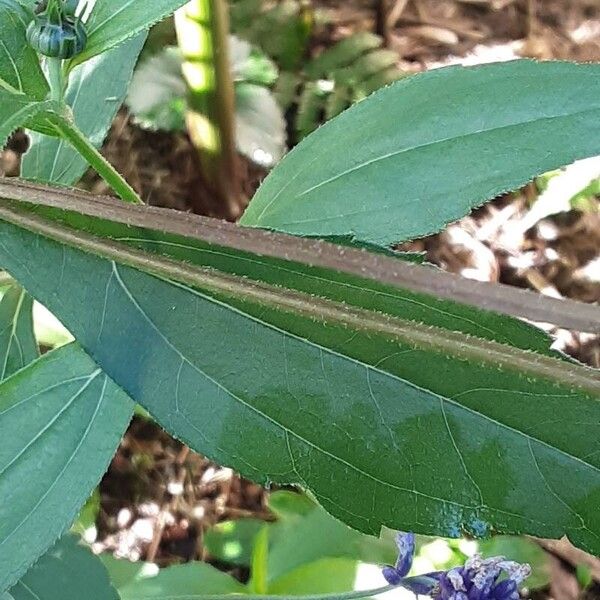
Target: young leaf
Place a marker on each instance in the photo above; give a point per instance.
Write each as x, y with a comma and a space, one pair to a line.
114, 21
62, 419
232, 541
123, 572
68, 571
18, 346
425, 151
318, 535
193, 580
323, 576
432, 430
96, 91
20, 70
16, 110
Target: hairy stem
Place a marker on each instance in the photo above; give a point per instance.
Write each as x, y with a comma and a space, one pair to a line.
216, 283
495, 297
79, 141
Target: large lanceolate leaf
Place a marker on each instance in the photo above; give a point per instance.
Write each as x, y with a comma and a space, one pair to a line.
18, 346
426, 150
68, 571
114, 21
333, 384
96, 91
61, 419
20, 70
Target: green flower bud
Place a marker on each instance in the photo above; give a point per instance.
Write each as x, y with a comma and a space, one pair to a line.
63, 39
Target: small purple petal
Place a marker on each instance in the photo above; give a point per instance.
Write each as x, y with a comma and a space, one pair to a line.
516, 571
423, 585
406, 551
506, 590
455, 577
485, 571
391, 575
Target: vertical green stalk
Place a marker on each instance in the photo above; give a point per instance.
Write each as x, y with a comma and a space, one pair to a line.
203, 34
80, 142
56, 78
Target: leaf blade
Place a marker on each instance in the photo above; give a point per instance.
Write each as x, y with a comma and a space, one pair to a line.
67, 571
477, 134
61, 443
16, 110
181, 371
192, 580
115, 21
20, 70
18, 345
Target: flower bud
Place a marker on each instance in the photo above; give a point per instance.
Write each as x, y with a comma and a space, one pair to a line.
59, 40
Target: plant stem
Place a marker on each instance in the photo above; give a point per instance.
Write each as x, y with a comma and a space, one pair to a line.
113, 178
217, 284
369, 266
202, 30
56, 78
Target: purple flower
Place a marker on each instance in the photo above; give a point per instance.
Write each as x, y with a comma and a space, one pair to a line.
479, 579
482, 579
406, 551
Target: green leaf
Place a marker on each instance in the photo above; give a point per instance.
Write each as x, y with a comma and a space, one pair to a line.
285, 504
18, 346
16, 110
324, 576
190, 581
20, 70
124, 572
343, 54
232, 541
69, 572
96, 91
260, 124
249, 64
417, 405
428, 149
86, 519
114, 21
62, 419
157, 94
319, 535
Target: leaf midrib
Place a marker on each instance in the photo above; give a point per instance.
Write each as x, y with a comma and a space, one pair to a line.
311, 444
